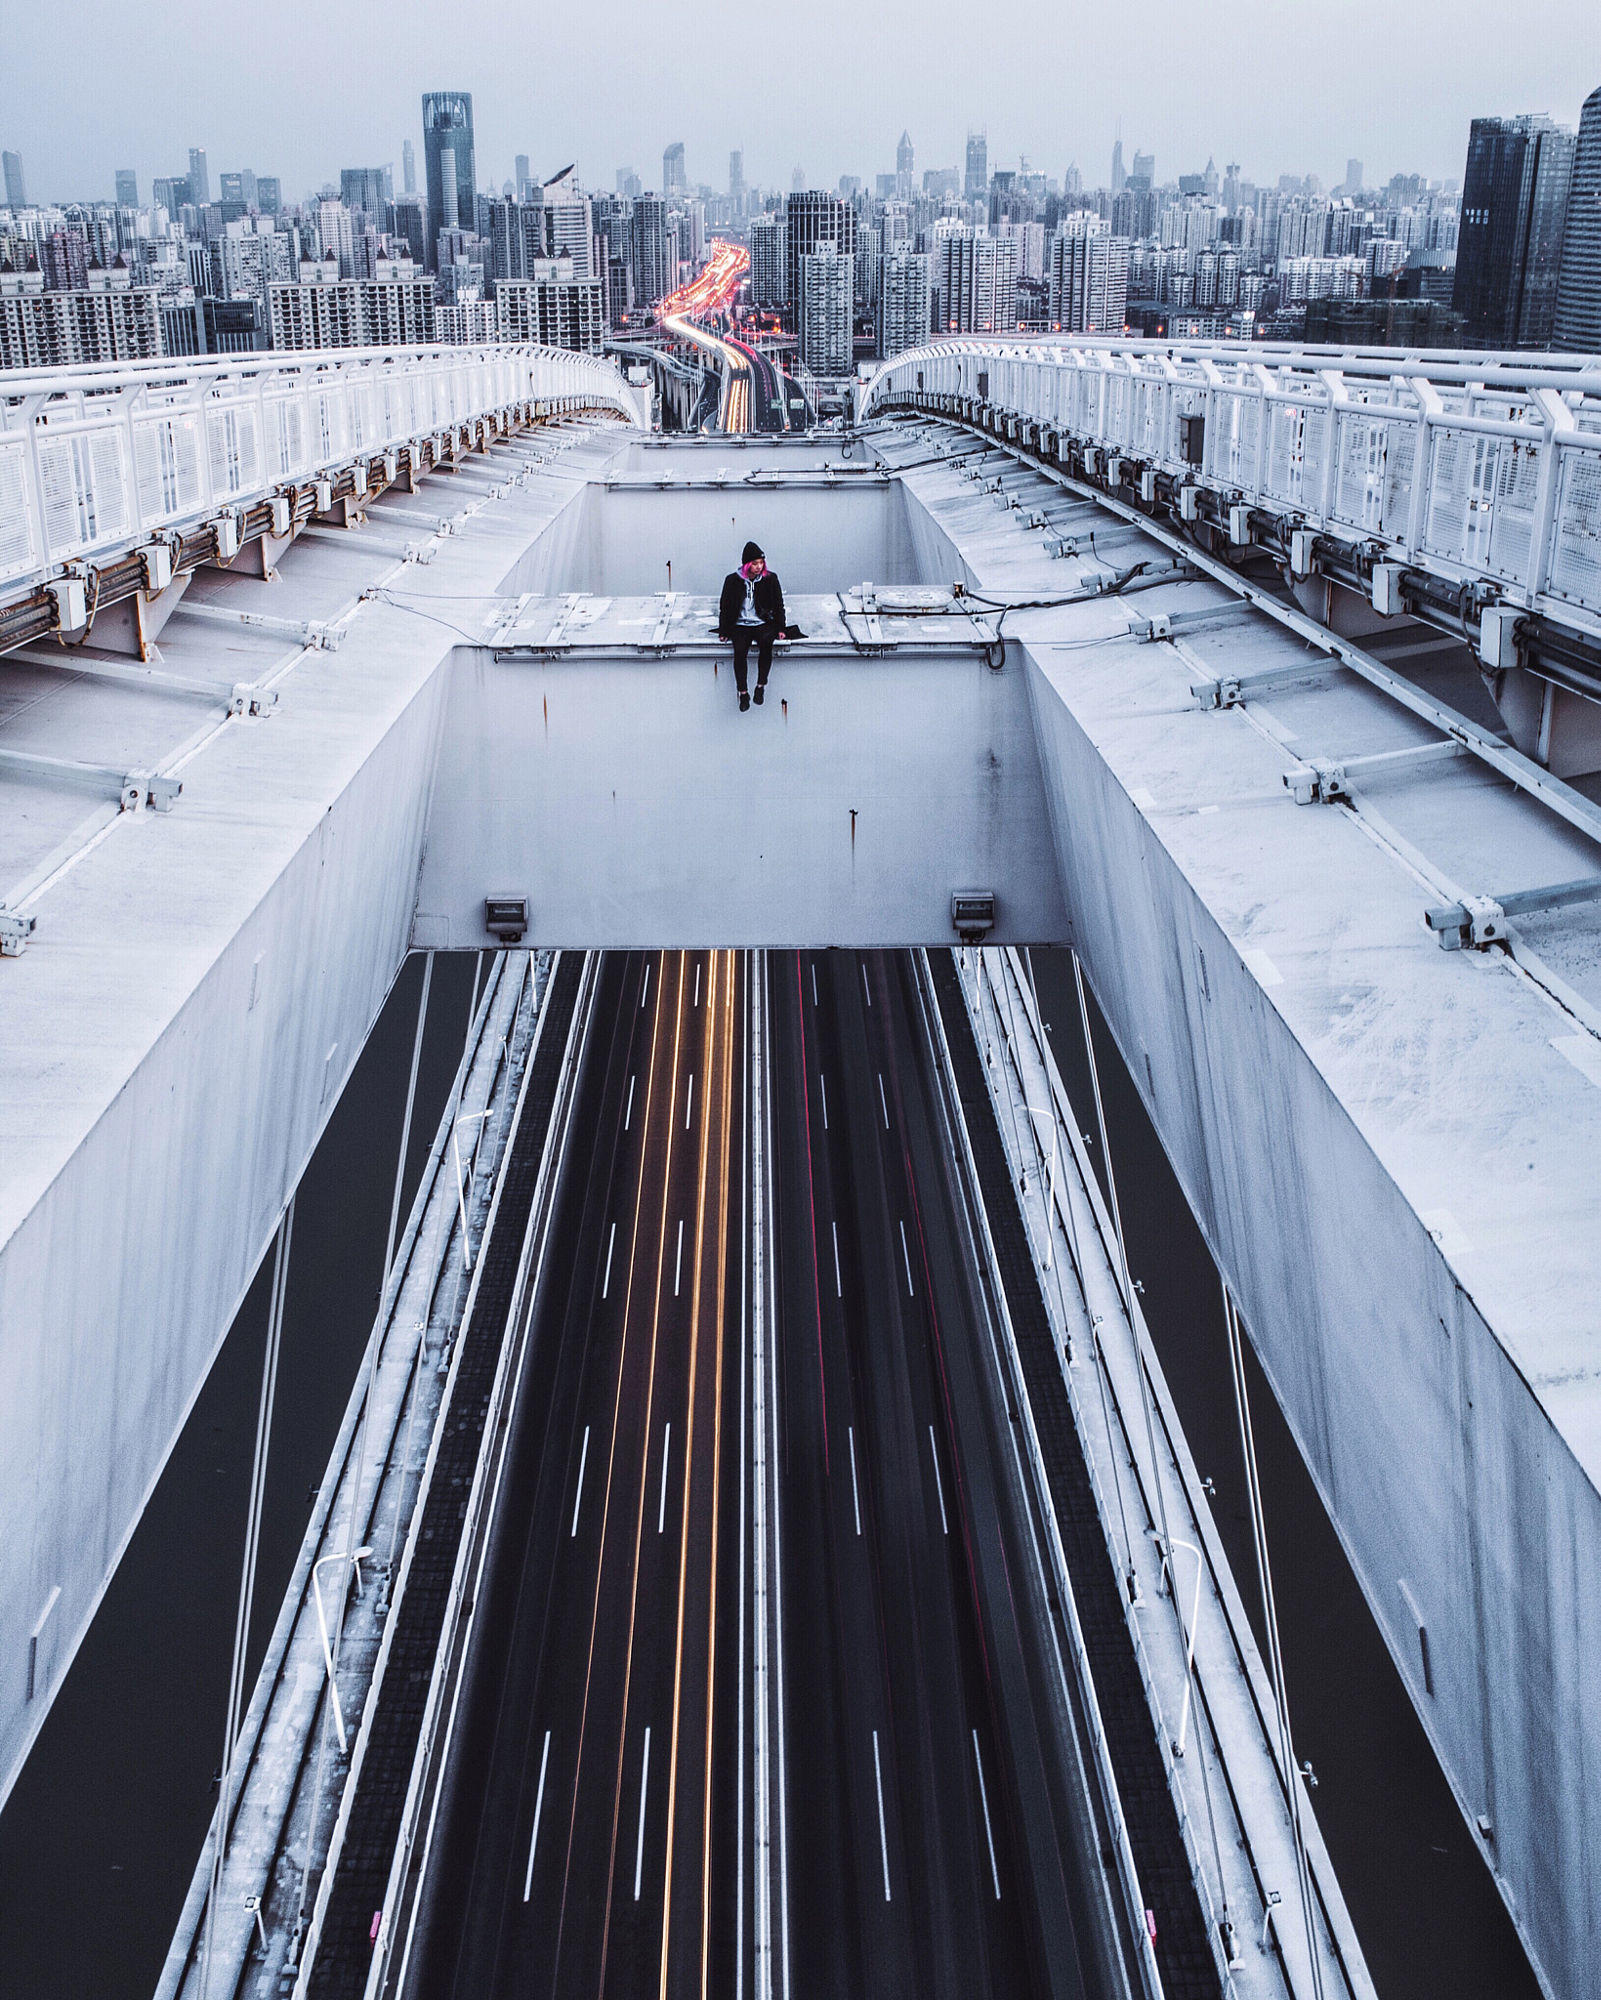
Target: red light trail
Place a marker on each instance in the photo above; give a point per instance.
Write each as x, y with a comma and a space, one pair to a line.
713, 288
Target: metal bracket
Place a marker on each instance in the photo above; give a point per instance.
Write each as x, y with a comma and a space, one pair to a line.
15, 931
1479, 921
1320, 781
1230, 690
659, 636
131, 789
307, 632
1171, 624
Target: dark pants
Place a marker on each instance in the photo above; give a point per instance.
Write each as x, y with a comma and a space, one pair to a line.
764, 635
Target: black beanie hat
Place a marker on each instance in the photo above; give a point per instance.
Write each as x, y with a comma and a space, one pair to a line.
752, 553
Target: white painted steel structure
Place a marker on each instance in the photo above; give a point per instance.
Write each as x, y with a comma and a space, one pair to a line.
1466, 466
96, 460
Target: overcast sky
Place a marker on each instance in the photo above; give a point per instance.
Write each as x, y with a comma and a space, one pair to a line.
302, 90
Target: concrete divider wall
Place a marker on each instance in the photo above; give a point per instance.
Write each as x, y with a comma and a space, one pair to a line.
120, 1282
634, 805
1444, 1476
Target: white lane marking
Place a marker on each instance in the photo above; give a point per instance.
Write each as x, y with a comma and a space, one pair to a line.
611, 1244
939, 1484
661, 1505
865, 987
883, 1837
814, 982
583, 1460
678, 1261
628, 1114
839, 1289
539, 1802
908, 1256
645, 988
696, 1001
822, 1085
883, 1101
639, 1844
856, 1498
984, 1800
689, 1101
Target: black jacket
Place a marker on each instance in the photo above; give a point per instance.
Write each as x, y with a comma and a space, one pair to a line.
769, 602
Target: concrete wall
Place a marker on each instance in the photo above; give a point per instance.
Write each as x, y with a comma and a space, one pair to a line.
633, 804
1440, 1469
816, 542
119, 1284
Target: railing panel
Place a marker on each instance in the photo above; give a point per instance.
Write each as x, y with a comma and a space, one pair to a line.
1492, 463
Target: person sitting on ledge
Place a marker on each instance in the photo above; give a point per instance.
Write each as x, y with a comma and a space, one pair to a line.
751, 609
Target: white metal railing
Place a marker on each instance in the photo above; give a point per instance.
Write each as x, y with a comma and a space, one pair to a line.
94, 460
1467, 466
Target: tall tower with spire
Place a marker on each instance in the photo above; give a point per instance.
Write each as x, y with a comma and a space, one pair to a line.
904, 165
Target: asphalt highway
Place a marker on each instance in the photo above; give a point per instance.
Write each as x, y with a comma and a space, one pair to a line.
762, 1695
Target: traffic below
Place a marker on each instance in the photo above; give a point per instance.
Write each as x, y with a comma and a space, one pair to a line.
762, 1695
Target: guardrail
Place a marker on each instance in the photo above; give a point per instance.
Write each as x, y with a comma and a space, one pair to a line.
1473, 468
96, 460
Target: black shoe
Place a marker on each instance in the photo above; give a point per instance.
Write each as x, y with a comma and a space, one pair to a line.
760, 695
744, 701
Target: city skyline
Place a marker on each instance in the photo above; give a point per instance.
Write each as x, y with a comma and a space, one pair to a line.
314, 125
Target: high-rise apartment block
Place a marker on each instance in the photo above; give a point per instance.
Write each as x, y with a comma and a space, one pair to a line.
768, 266
1577, 324
811, 219
553, 308
450, 163
1088, 277
905, 300
647, 250
827, 283
64, 329
975, 282
1509, 247
353, 312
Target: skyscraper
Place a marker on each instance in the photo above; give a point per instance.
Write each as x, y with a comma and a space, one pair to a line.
904, 300
1514, 198
1578, 310
408, 167
674, 178
736, 176
367, 188
976, 282
1088, 277
127, 188
827, 283
1119, 178
811, 219
570, 222
447, 138
905, 166
767, 262
520, 177
976, 183
199, 177
647, 249
16, 186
